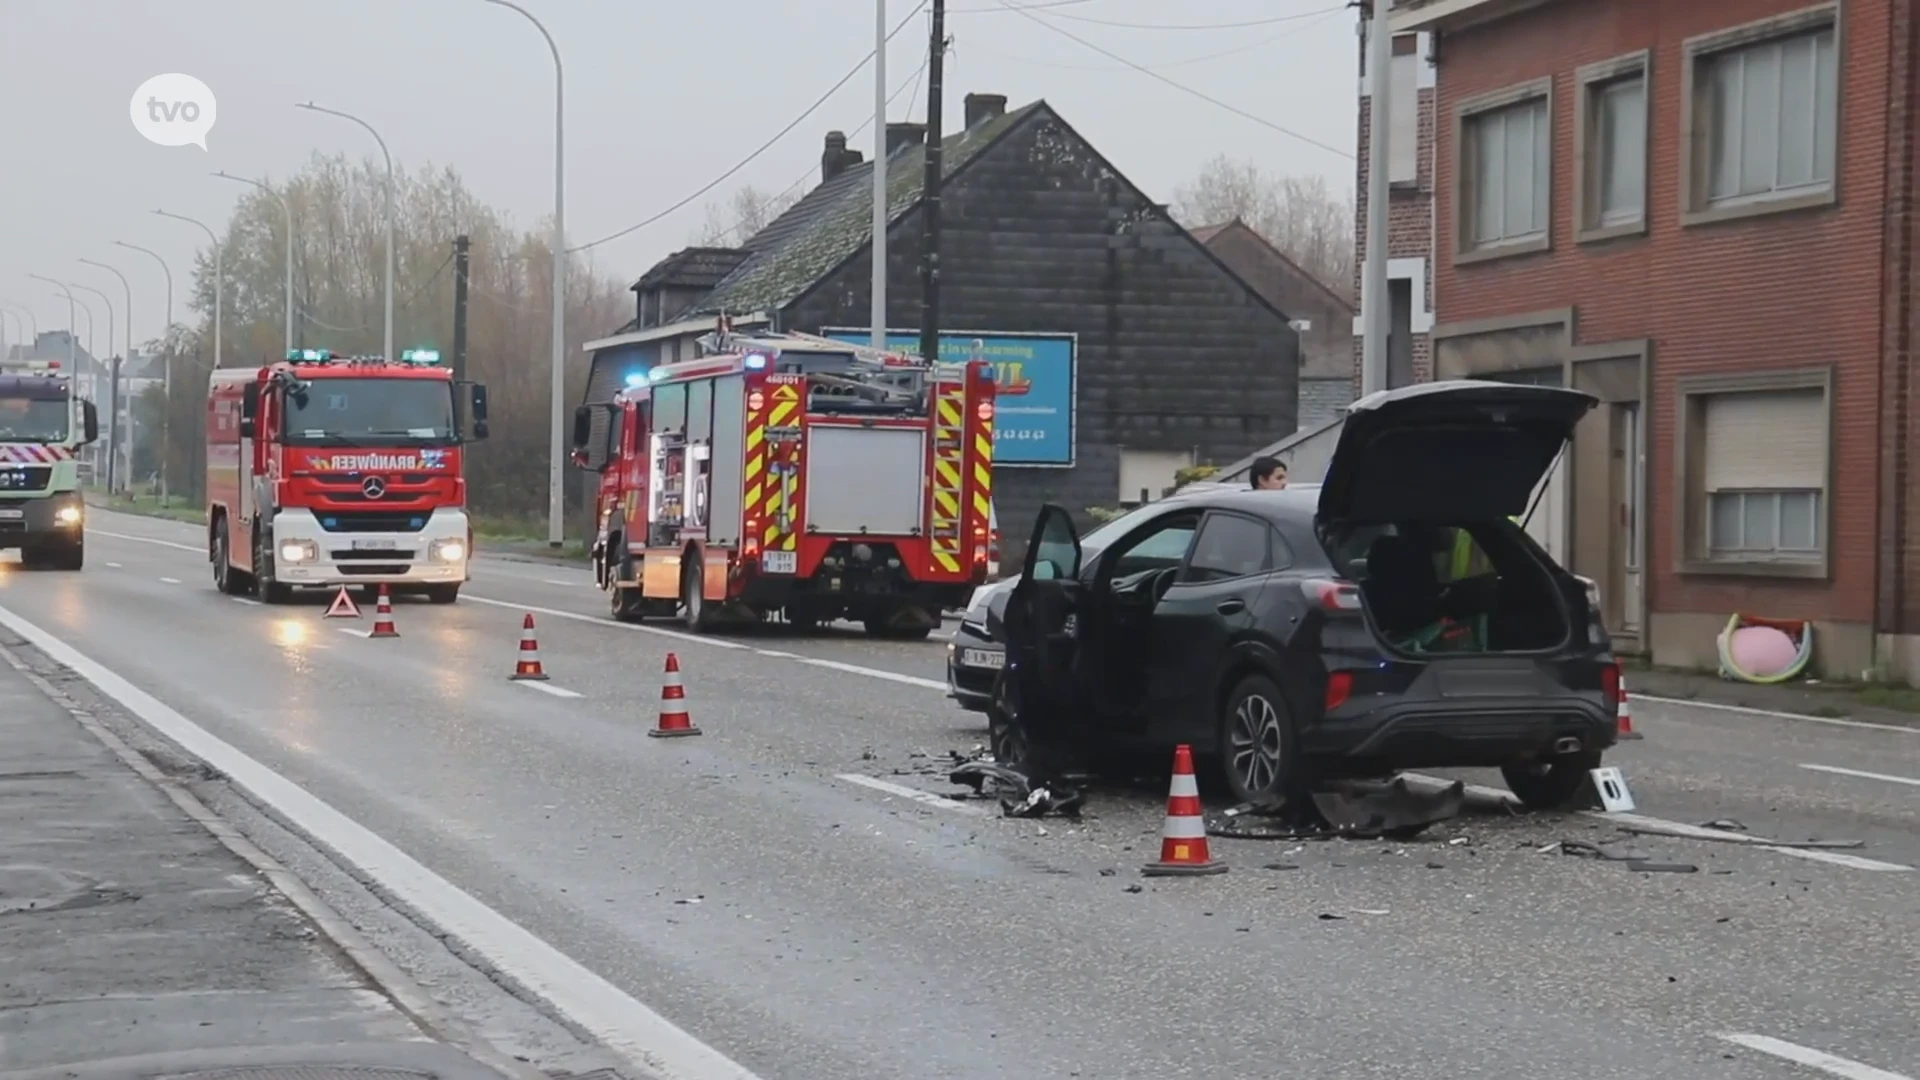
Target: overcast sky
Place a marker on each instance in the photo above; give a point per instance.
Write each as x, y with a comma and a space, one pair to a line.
662, 97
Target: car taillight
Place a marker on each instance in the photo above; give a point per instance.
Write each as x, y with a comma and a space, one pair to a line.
1610, 685
1339, 689
1332, 594
751, 547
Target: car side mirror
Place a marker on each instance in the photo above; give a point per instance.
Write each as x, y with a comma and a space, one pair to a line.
89, 423
479, 430
582, 430
477, 407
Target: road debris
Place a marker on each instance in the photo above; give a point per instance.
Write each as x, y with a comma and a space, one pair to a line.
1019, 795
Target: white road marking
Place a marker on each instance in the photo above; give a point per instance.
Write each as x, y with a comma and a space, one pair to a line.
718, 643
368, 634
1863, 775
924, 798
872, 673
1830, 1064
1696, 832
650, 1043
246, 600
171, 580
546, 689
567, 584
196, 549
115, 566
1834, 721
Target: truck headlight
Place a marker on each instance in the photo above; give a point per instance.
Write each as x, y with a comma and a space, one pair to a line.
298, 551
449, 550
67, 515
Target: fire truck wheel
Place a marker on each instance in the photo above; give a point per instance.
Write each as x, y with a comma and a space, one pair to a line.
624, 605
225, 577
70, 556
442, 594
693, 600
267, 590
879, 625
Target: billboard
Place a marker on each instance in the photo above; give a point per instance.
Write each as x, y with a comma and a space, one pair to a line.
1034, 379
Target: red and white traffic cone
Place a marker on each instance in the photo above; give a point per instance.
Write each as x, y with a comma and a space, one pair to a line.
1183, 839
1626, 712
529, 665
383, 616
674, 720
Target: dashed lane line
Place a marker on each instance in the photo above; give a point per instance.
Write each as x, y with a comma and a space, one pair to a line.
1838, 771
195, 548
171, 580
1831, 1064
649, 1043
924, 798
556, 691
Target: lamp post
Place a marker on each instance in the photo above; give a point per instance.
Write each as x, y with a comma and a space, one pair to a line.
113, 389
219, 277
73, 321
556, 450
166, 368
114, 446
287, 209
21, 311
387, 338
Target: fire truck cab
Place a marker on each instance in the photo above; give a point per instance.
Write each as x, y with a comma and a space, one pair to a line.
793, 474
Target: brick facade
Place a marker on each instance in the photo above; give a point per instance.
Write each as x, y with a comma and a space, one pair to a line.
1819, 286
1410, 211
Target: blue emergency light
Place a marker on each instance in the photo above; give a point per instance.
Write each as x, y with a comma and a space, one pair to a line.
311, 356
756, 361
420, 356
638, 378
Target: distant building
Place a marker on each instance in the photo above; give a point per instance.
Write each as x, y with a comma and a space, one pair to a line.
1321, 315
1128, 349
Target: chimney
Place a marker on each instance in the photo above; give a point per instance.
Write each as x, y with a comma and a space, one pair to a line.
984, 107
833, 159
901, 134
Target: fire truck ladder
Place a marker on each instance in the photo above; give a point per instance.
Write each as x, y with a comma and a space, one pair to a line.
948, 432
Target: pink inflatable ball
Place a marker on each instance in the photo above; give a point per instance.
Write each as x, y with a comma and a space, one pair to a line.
1763, 651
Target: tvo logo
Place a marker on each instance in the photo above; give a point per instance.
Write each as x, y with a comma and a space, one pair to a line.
173, 110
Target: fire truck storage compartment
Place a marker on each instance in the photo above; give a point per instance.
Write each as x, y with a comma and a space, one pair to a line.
865, 480
729, 418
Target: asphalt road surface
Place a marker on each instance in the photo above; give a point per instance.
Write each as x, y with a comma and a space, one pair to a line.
798, 895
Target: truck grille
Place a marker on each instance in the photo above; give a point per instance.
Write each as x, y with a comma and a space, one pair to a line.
340, 555
392, 521
29, 478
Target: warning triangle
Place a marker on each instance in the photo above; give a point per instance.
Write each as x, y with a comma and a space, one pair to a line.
343, 606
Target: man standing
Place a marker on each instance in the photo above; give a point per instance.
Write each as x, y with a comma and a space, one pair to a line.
1268, 474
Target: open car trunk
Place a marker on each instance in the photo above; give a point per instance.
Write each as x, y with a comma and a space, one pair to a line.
1477, 588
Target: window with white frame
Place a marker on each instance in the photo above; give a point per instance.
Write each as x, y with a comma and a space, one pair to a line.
1772, 117
1510, 173
1764, 476
1620, 150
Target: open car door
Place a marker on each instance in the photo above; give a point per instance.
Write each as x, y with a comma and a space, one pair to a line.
1039, 624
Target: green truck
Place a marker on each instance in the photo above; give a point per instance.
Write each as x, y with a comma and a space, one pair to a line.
42, 428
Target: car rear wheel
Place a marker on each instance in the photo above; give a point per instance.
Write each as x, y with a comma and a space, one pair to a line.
1257, 744
1550, 783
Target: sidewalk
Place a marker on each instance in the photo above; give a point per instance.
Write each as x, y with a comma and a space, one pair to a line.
133, 943
1822, 700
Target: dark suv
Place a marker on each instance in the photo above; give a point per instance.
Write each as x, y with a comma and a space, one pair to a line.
1398, 617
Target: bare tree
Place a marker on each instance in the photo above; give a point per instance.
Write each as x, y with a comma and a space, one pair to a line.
735, 220
1301, 215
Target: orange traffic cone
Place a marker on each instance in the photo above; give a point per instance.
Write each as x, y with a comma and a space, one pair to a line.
383, 616
674, 721
529, 666
1626, 712
1183, 839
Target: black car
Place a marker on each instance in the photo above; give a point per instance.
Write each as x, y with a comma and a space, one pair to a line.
1398, 617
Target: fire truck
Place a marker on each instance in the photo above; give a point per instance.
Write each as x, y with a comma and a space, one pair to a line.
327, 470
42, 428
793, 474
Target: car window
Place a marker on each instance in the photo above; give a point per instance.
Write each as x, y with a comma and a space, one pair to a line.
1158, 550
1055, 554
1229, 546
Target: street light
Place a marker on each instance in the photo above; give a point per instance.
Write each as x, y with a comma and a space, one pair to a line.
219, 279
113, 385
20, 311
73, 323
126, 352
286, 208
557, 447
166, 368
387, 347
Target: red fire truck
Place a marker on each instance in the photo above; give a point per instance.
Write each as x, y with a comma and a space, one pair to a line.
793, 473
328, 470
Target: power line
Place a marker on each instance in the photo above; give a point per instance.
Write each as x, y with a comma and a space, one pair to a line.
1324, 13
763, 147
1182, 87
1274, 20
1041, 6
911, 80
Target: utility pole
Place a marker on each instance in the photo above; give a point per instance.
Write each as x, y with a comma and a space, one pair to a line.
460, 244
879, 174
1376, 307
930, 195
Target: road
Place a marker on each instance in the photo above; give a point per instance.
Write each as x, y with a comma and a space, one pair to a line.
776, 898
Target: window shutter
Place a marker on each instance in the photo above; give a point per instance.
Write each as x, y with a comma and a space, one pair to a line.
1767, 439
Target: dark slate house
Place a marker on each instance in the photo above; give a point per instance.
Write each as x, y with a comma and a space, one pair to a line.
1143, 351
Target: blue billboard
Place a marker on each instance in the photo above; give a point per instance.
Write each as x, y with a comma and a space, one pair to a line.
1033, 379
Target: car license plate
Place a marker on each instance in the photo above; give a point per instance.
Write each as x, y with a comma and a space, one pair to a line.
780, 562
12, 515
375, 545
983, 658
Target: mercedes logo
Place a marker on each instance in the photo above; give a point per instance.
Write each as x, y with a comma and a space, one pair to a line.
373, 487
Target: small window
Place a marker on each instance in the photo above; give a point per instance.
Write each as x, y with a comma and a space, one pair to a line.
670, 409
1773, 115
1158, 550
1229, 546
1620, 150
1509, 174
700, 410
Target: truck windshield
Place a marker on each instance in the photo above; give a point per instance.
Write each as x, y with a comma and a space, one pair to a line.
366, 412
33, 419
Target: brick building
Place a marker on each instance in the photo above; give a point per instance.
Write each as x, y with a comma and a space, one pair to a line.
1702, 213
1410, 207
